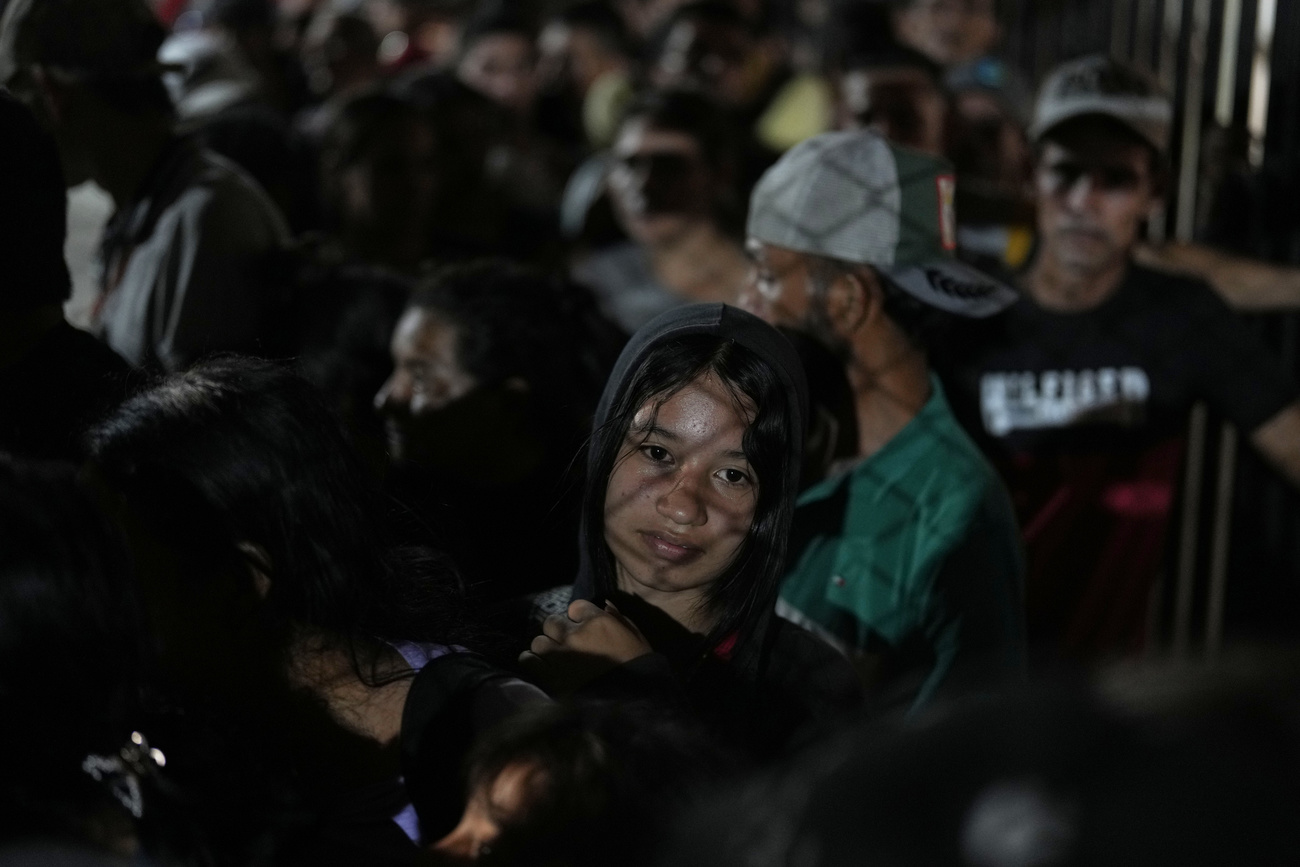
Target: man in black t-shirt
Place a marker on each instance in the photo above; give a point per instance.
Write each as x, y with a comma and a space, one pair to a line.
1081, 390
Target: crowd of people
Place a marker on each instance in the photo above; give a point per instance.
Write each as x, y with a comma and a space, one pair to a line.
609, 432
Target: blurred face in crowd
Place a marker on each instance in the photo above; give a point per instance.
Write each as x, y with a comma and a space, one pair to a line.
780, 292
718, 59
573, 58
495, 805
994, 142
949, 31
661, 185
900, 103
1094, 189
427, 378
386, 196
682, 496
503, 67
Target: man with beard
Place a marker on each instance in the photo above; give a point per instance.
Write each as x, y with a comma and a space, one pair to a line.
1081, 391
496, 373
906, 556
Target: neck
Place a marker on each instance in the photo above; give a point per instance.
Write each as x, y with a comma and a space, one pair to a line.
887, 394
701, 264
1058, 286
20, 330
129, 150
687, 608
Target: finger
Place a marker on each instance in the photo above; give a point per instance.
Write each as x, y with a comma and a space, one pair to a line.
556, 627
543, 644
583, 609
612, 608
530, 661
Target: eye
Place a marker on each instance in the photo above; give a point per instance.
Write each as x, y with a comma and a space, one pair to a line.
733, 476
658, 454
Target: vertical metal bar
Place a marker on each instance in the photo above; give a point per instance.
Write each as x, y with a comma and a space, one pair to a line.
1226, 96
1188, 538
1170, 36
1216, 593
1145, 33
1121, 30
1261, 79
1190, 151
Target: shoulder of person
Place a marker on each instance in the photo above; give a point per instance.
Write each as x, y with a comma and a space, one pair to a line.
1166, 288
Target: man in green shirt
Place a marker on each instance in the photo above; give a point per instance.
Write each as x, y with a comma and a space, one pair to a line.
907, 557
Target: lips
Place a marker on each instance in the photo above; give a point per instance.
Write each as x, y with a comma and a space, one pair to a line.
669, 547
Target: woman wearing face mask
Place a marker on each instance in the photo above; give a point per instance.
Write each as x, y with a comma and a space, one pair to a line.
672, 181
692, 473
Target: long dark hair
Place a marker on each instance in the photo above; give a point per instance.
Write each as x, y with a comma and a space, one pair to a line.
249, 447
742, 597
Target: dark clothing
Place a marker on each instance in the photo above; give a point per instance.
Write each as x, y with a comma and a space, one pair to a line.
67, 380
1084, 414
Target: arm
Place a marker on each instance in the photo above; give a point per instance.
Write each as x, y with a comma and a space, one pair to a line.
1246, 284
1278, 440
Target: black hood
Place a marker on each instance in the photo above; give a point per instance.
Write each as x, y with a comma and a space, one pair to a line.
719, 320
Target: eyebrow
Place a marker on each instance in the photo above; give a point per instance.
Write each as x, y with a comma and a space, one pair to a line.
652, 430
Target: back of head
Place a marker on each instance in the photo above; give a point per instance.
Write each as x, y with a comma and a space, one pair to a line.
601, 780
516, 323
111, 45
239, 462
33, 212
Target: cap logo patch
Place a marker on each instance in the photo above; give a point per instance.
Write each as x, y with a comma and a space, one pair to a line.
947, 193
946, 285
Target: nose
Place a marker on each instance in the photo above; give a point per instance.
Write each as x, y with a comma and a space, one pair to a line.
1079, 195
683, 503
392, 394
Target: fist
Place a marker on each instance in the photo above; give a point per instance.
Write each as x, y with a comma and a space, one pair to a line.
576, 648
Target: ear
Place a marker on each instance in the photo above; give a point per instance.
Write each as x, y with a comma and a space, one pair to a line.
49, 93
852, 301
259, 566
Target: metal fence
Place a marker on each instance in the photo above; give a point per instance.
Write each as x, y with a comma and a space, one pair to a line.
1233, 69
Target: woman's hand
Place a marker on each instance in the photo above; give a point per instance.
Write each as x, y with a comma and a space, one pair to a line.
573, 650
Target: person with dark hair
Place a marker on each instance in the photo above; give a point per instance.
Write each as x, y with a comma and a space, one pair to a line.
497, 370
54, 379
585, 69
674, 168
906, 557
1082, 391
381, 178
181, 257
896, 92
710, 45
949, 32
692, 470
279, 603
590, 783
498, 57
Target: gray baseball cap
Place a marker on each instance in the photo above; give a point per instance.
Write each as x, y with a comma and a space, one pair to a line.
1101, 85
86, 38
855, 197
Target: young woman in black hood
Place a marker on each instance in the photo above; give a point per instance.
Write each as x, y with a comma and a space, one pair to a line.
693, 469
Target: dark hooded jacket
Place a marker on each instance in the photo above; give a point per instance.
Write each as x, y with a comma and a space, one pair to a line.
759, 684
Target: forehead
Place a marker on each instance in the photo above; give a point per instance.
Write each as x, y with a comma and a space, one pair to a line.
1090, 145
638, 136
704, 408
425, 334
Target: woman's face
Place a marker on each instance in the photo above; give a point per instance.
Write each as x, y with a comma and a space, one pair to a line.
660, 183
681, 498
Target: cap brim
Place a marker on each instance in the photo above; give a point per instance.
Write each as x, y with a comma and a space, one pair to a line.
954, 286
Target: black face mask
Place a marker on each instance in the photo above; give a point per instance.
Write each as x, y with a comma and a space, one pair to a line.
666, 183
